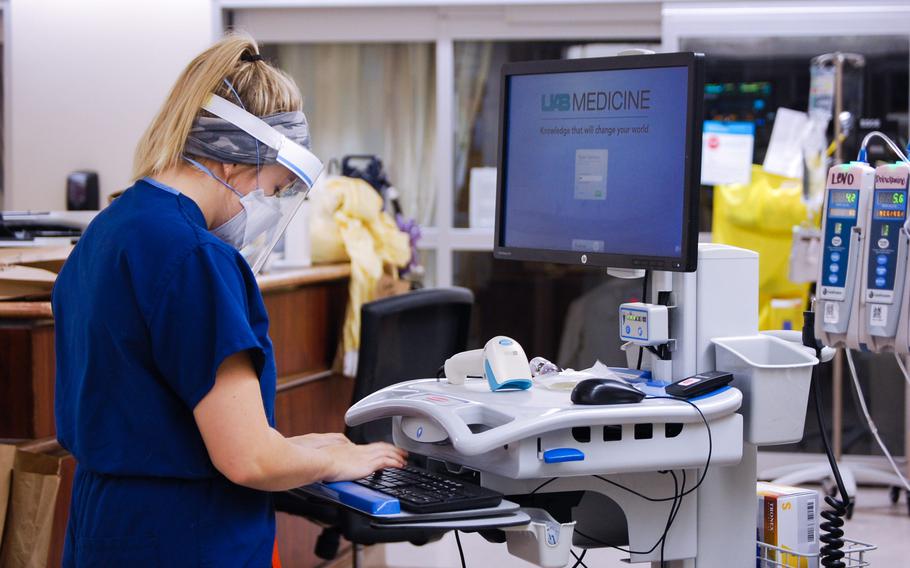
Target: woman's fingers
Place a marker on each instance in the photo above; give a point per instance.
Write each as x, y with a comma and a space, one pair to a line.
387, 455
354, 461
390, 448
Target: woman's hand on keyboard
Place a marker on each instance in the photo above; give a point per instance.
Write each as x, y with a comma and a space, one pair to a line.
351, 461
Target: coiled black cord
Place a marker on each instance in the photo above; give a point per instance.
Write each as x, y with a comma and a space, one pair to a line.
579, 560
832, 535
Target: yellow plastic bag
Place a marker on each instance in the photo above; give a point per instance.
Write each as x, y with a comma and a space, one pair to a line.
348, 224
760, 217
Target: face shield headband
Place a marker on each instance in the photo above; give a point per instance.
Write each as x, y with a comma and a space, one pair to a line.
296, 158
288, 153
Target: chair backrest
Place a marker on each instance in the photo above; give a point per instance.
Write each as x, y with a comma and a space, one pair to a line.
407, 337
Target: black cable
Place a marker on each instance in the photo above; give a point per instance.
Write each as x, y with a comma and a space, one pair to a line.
673, 508
832, 534
544, 484
644, 300
619, 548
841, 487
579, 560
682, 487
642, 495
673, 517
460, 550
704, 470
678, 491
670, 518
644, 287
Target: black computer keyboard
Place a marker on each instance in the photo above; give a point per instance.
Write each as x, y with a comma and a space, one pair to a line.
420, 491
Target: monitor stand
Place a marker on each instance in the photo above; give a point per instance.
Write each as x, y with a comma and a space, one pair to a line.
627, 273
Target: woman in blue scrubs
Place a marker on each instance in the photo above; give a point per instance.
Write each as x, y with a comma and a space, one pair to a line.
165, 371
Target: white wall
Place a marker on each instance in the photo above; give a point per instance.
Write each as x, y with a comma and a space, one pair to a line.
83, 80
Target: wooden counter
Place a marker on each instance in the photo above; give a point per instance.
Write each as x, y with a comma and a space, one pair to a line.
278, 280
306, 311
25, 310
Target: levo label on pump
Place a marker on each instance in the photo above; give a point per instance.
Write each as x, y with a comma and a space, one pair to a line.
889, 212
841, 218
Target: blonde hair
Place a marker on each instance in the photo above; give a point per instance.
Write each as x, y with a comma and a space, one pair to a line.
263, 89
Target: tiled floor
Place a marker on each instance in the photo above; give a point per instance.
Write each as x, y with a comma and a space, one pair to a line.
875, 521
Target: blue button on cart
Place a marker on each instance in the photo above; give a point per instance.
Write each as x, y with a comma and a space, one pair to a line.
559, 455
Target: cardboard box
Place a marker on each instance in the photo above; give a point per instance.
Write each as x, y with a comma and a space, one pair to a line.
30, 272
788, 518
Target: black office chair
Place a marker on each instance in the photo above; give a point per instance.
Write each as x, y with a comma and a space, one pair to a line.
407, 337
401, 338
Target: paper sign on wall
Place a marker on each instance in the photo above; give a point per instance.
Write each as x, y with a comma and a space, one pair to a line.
726, 154
482, 206
785, 150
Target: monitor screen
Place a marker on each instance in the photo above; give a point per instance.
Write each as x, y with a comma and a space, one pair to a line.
600, 163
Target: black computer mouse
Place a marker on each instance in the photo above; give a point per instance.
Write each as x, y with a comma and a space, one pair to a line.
605, 391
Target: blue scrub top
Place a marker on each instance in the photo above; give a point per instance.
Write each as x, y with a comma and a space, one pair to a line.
146, 308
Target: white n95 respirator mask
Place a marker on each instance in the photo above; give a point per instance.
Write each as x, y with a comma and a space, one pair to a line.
259, 214
259, 225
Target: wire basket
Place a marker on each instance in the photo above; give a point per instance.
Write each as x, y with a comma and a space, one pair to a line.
770, 556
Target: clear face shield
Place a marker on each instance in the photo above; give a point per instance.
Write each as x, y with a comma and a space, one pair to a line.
267, 216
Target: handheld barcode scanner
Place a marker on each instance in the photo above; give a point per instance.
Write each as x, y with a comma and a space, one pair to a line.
885, 261
847, 195
502, 363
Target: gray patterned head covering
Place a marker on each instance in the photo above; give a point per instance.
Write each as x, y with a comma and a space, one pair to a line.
220, 140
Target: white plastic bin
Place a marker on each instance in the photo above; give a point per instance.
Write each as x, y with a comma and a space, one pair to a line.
774, 376
543, 542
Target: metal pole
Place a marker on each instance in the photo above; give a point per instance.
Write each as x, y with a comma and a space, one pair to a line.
838, 105
837, 375
837, 403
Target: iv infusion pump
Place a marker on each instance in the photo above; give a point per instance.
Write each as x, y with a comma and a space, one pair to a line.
861, 287
885, 264
846, 204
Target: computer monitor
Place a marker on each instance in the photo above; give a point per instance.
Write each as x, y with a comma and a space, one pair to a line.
600, 161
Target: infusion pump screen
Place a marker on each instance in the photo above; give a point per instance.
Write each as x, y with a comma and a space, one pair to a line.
889, 211
595, 161
842, 203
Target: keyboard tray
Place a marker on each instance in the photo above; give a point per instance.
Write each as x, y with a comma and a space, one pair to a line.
330, 493
516, 517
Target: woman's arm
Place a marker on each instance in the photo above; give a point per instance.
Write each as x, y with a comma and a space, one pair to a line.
246, 450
